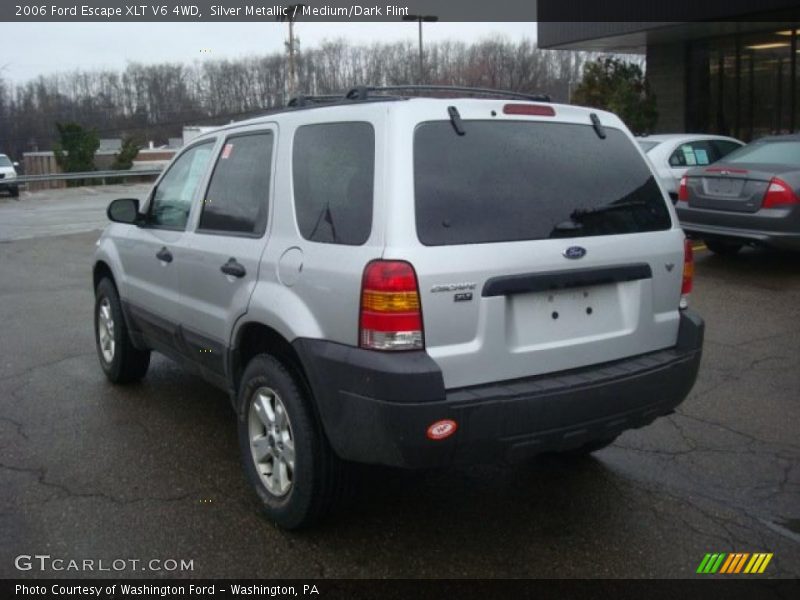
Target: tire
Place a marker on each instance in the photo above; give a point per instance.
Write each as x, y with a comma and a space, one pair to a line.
120, 360
297, 478
14, 191
723, 248
589, 448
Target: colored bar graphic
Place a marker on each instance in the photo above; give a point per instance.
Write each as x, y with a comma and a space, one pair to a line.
717, 563
727, 564
734, 563
740, 564
703, 563
765, 563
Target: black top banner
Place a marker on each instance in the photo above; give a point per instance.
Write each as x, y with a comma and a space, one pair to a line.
393, 10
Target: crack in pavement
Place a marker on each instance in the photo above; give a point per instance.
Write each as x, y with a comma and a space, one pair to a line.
66, 492
17, 425
32, 368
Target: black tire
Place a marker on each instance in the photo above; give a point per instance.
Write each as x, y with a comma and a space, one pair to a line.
128, 363
589, 448
317, 476
14, 192
723, 248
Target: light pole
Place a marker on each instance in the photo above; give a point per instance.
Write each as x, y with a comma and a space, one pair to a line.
290, 15
419, 19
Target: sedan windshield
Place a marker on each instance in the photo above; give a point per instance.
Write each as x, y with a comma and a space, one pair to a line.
5, 162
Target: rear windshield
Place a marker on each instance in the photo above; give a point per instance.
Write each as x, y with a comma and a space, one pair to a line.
507, 181
773, 152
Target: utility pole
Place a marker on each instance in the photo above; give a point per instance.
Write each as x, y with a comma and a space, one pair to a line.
290, 15
419, 19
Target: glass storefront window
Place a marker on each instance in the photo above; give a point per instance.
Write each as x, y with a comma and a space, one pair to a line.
750, 85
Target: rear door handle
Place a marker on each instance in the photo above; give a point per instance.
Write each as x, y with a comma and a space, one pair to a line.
233, 268
164, 255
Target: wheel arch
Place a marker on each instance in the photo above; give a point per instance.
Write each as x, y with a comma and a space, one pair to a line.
254, 337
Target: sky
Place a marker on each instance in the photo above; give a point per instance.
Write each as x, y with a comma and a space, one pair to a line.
33, 49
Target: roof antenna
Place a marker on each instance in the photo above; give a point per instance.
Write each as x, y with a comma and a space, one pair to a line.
455, 119
598, 126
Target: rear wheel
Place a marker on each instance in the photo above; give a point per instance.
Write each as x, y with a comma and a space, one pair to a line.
121, 361
286, 456
722, 247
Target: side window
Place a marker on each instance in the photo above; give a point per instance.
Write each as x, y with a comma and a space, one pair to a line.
172, 200
238, 195
333, 168
693, 154
724, 147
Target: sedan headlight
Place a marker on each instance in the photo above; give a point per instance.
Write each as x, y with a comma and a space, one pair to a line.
11, 175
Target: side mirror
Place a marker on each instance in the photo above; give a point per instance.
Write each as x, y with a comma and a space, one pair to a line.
124, 210
16, 164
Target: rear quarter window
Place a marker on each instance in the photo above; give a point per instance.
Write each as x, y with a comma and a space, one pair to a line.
528, 180
333, 168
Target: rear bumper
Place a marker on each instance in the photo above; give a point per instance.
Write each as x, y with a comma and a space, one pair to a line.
769, 227
376, 407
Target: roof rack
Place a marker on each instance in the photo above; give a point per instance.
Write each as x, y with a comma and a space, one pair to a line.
301, 100
362, 92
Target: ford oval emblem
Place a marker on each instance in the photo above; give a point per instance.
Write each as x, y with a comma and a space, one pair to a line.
574, 252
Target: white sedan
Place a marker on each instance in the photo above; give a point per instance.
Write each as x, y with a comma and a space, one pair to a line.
673, 154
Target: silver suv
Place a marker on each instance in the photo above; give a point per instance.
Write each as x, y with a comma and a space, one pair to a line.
406, 281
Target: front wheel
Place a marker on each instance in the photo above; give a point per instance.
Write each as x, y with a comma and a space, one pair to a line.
285, 454
14, 192
121, 361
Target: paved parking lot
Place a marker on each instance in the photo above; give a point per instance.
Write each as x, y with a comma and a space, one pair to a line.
91, 471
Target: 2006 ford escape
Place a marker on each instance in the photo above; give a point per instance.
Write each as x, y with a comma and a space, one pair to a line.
408, 281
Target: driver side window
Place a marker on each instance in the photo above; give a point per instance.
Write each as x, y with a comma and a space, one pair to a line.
173, 197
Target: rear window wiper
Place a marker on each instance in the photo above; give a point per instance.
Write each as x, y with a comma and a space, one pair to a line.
578, 213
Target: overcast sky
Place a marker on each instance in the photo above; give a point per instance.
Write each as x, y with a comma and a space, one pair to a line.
31, 49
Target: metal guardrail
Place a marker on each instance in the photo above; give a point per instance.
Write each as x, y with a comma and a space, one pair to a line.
87, 175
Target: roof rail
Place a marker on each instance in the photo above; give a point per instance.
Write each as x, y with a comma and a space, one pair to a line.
301, 100
362, 92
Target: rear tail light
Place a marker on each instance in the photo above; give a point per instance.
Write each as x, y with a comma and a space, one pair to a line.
391, 317
688, 273
683, 191
779, 193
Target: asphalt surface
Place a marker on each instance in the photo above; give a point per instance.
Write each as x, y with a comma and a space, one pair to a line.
151, 471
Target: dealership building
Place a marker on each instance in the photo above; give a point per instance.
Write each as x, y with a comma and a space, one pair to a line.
731, 71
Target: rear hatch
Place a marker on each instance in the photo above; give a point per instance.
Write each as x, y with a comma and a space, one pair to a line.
737, 187
544, 247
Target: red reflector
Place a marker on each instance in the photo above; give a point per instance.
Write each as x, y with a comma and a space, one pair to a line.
688, 267
779, 193
683, 191
441, 429
529, 109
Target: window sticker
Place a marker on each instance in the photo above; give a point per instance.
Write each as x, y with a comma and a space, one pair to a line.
688, 154
226, 151
701, 155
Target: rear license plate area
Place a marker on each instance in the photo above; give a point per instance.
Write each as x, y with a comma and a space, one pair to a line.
561, 315
723, 187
